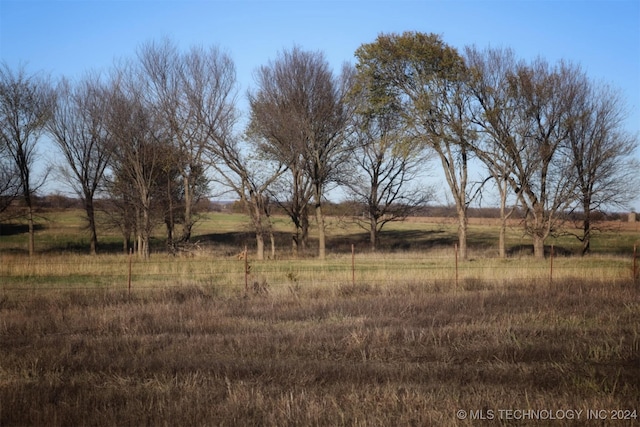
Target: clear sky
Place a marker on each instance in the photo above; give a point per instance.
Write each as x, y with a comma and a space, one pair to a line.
69, 37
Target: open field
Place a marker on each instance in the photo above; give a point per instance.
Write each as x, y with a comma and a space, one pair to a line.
398, 337
418, 251
225, 233
344, 355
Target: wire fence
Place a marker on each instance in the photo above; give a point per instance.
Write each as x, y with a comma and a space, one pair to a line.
442, 270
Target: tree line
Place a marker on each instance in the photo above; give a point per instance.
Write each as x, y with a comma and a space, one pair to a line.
157, 131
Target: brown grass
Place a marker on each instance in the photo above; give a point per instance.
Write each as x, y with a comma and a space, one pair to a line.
360, 354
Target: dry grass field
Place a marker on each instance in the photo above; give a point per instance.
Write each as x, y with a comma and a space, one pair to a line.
348, 355
395, 341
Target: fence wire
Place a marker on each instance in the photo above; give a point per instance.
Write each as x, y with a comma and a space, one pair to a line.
442, 271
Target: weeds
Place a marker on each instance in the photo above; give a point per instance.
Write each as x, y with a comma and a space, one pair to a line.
261, 287
357, 355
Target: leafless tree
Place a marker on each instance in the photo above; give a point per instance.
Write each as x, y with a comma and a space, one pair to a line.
9, 179
542, 168
137, 149
299, 111
26, 103
193, 96
387, 159
80, 130
602, 151
495, 114
292, 192
279, 135
249, 177
120, 208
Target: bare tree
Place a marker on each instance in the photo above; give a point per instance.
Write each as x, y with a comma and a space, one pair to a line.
328, 149
299, 112
193, 95
602, 153
542, 175
26, 103
495, 114
427, 78
137, 152
292, 192
386, 159
120, 211
279, 135
9, 179
250, 177
79, 129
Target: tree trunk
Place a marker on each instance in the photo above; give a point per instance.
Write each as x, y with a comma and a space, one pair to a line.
304, 235
502, 244
373, 233
586, 242
91, 217
146, 230
294, 243
170, 243
586, 229
28, 201
170, 220
462, 232
538, 246
539, 234
321, 235
126, 242
273, 244
139, 245
188, 200
502, 250
297, 234
32, 232
259, 246
254, 206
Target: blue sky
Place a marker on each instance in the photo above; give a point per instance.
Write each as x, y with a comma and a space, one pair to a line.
69, 37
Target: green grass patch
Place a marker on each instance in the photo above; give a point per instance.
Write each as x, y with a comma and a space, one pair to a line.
65, 231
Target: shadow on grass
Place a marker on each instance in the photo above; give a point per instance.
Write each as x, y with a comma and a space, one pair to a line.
232, 238
82, 247
11, 229
393, 240
527, 250
235, 241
